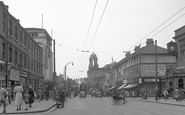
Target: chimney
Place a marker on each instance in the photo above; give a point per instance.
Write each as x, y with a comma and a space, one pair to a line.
7, 7
127, 54
137, 48
149, 41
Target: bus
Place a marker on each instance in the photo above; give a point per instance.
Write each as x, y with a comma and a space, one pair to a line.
83, 90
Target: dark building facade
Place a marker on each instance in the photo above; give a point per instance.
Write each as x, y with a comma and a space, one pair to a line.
20, 55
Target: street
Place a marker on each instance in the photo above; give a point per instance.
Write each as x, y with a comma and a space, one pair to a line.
104, 106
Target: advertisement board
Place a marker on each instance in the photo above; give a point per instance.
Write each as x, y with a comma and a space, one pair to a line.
150, 70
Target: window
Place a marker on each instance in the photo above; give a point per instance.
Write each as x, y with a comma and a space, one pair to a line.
10, 27
25, 62
4, 50
16, 32
28, 40
10, 54
4, 21
15, 57
25, 41
182, 47
32, 46
21, 37
20, 60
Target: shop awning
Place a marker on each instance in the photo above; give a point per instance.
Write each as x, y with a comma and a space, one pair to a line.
130, 86
112, 88
122, 86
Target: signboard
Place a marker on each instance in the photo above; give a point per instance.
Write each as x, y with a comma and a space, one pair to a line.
125, 81
14, 74
151, 80
150, 70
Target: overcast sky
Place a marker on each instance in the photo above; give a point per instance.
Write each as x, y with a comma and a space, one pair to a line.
125, 23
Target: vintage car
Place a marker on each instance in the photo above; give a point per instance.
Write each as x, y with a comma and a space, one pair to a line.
82, 94
98, 94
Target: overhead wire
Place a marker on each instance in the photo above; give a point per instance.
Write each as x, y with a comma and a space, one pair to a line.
98, 26
92, 17
157, 28
99, 23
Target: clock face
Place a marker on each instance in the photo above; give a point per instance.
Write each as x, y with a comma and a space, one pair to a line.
172, 48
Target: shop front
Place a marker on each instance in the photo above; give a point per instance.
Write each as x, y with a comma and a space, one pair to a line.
2, 73
148, 84
23, 78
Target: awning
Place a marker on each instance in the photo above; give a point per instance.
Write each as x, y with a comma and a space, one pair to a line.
112, 88
130, 86
122, 86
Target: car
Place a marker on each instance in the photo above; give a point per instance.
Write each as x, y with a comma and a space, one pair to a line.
98, 94
82, 94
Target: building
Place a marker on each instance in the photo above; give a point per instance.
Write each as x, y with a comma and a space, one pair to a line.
44, 40
96, 76
140, 68
176, 76
20, 56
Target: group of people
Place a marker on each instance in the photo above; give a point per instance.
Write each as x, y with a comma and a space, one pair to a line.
20, 96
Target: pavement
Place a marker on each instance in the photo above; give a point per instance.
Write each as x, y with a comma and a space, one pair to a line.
37, 107
170, 101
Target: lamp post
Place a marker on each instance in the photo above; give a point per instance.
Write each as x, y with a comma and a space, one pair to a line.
66, 74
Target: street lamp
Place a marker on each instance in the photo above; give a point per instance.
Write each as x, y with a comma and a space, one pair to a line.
66, 74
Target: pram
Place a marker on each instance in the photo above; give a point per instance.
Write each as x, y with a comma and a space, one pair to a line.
117, 99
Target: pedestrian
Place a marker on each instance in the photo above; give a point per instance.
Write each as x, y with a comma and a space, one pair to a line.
165, 94
39, 94
8, 89
3, 95
47, 94
31, 93
18, 90
26, 100
176, 94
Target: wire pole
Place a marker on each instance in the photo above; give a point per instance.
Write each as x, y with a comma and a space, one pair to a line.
54, 74
157, 89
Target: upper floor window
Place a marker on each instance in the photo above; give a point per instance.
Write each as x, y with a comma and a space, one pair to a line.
10, 54
10, 27
4, 51
25, 41
182, 47
21, 41
15, 57
16, 32
20, 60
4, 21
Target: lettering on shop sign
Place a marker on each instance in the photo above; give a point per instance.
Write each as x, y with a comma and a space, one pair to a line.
151, 80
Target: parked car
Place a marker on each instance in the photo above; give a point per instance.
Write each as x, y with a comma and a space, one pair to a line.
98, 94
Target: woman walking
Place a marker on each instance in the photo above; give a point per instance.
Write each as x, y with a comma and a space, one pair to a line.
31, 93
18, 90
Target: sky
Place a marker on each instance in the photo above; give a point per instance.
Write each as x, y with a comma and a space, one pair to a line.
123, 25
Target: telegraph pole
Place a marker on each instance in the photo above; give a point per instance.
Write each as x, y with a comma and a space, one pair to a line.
157, 88
54, 74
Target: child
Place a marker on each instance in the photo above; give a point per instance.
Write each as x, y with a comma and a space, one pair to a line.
26, 100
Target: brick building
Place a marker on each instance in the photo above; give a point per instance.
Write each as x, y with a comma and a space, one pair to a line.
20, 56
139, 67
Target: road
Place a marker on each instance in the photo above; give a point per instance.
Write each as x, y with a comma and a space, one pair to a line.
104, 106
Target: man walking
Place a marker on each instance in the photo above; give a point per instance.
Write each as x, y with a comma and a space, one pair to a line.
3, 95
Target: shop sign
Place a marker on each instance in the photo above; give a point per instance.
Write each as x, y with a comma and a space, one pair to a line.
150, 70
151, 80
24, 74
125, 81
14, 74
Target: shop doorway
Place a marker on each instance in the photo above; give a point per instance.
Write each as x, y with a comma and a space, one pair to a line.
181, 83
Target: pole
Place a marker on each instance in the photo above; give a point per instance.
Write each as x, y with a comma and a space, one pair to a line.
66, 77
157, 89
54, 74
